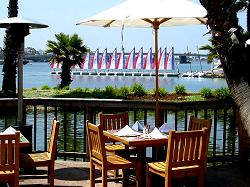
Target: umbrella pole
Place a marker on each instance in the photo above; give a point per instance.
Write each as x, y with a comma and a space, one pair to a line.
157, 105
20, 82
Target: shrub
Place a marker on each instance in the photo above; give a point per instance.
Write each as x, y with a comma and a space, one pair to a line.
124, 92
109, 92
161, 91
206, 92
180, 89
222, 93
45, 87
138, 89
97, 93
33, 88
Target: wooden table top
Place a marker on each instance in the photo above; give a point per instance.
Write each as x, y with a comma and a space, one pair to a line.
136, 141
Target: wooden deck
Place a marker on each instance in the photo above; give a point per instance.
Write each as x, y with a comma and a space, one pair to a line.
70, 173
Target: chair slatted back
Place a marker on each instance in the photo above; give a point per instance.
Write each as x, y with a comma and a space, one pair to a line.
96, 143
197, 124
53, 138
113, 121
187, 148
9, 152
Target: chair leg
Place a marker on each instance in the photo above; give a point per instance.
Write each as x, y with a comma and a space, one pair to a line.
138, 176
201, 180
92, 175
51, 175
168, 180
104, 177
148, 178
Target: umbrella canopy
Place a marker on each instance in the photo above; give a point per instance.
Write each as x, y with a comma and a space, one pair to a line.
150, 13
132, 13
23, 26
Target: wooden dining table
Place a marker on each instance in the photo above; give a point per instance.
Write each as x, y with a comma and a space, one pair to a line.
140, 143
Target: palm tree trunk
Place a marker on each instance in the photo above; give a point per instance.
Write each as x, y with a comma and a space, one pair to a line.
229, 42
10, 55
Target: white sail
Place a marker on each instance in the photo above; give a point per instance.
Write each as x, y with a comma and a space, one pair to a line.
95, 59
170, 62
162, 59
130, 60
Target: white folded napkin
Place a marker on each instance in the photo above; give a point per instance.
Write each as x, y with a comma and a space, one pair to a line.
164, 128
137, 126
127, 131
155, 134
10, 130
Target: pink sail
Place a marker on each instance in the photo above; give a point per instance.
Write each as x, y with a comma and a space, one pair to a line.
85, 61
138, 59
130, 60
103, 59
154, 63
94, 61
148, 60
112, 60
120, 60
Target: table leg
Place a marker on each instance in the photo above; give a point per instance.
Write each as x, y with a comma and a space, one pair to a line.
141, 157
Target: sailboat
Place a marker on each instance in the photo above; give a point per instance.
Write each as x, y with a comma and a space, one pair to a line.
170, 64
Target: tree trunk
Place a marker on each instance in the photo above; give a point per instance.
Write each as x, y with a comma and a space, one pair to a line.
10, 55
229, 42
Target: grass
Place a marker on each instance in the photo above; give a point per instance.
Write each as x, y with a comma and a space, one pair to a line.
136, 90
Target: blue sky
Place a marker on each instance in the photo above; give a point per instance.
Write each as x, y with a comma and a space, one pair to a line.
62, 16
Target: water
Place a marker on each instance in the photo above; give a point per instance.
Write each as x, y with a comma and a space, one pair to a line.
38, 74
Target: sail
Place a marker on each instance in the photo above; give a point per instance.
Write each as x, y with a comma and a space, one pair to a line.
85, 61
103, 59
120, 60
95, 59
148, 60
162, 59
138, 59
130, 60
112, 60
154, 61
170, 63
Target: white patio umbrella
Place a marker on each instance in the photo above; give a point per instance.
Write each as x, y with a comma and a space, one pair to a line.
22, 27
150, 13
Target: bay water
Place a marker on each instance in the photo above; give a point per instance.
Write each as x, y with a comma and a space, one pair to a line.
37, 74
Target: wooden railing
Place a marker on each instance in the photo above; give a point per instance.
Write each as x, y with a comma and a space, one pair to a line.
73, 112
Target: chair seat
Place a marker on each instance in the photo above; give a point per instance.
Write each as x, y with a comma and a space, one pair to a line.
114, 147
161, 167
34, 159
117, 160
3, 173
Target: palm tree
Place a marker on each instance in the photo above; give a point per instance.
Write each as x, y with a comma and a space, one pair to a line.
212, 53
229, 41
10, 55
69, 50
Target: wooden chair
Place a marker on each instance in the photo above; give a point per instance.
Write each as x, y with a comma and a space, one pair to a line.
113, 122
9, 158
106, 162
198, 123
47, 158
186, 156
